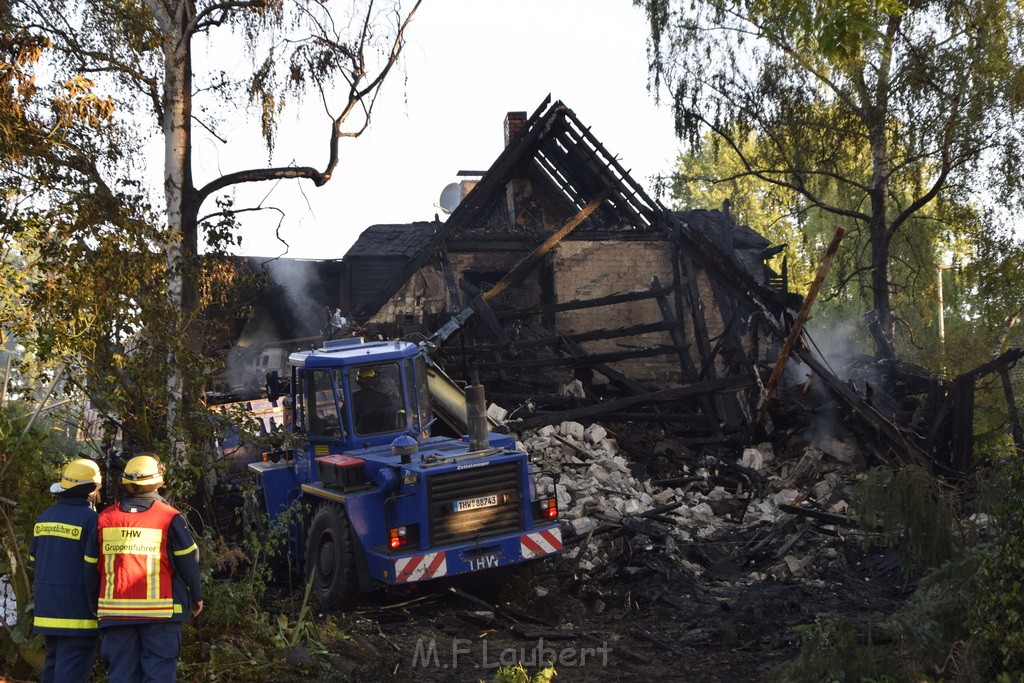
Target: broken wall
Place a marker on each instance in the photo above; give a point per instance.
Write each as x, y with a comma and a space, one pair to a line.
587, 269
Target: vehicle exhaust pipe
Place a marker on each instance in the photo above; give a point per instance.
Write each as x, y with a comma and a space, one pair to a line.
476, 414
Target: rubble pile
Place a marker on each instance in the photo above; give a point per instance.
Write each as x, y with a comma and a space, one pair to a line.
604, 495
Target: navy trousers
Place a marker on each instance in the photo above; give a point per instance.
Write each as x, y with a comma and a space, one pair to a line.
69, 659
143, 652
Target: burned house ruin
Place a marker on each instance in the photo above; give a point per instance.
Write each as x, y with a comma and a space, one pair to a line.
570, 289
574, 295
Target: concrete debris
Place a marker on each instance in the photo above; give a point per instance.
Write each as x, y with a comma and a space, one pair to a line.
496, 413
605, 497
839, 449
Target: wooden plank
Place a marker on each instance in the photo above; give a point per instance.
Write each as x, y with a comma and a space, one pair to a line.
892, 438
692, 420
680, 308
801, 319
718, 345
731, 408
685, 362
523, 267
700, 327
689, 371
961, 450
480, 307
752, 295
730, 338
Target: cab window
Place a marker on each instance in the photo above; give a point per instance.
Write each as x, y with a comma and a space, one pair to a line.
423, 398
322, 414
378, 403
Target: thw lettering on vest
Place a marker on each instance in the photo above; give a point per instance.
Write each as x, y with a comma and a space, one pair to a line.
131, 541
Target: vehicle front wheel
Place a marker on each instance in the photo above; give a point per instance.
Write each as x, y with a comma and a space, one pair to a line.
330, 556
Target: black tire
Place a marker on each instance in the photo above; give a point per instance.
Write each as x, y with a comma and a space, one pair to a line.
330, 557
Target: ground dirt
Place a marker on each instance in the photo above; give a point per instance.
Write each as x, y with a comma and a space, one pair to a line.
647, 625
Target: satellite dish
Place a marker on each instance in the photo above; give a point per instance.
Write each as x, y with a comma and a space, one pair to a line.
451, 195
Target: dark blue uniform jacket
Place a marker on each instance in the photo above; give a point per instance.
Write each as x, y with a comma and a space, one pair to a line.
66, 583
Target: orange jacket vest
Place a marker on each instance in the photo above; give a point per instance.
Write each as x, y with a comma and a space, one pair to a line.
135, 565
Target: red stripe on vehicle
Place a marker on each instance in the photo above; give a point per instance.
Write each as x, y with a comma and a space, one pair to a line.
532, 545
409, 567
554, 537
438, 560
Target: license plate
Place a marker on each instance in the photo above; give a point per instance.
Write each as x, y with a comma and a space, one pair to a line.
474, 503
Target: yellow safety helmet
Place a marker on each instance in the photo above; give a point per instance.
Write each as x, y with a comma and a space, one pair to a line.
366, 373
76, 473
143, 470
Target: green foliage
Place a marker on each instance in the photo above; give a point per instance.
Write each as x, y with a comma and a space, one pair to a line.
714, 174
833, 651
997, 619
916, 512
855, 124
236, 637
519, 674
927, 639
963, 621
302, 629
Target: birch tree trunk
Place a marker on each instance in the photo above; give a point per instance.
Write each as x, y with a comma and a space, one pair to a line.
179, 193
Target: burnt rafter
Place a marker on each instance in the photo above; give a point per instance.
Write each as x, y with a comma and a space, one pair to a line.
583, 303
614, 376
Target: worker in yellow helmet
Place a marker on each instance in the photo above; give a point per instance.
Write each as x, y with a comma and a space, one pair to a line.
65, 580
149, 578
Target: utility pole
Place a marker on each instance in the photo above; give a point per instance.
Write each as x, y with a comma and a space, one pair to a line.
942, 311
942, 319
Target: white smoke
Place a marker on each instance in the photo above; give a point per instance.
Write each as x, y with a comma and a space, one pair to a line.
303, 292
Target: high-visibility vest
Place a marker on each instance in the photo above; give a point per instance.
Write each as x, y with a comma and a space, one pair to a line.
135, 565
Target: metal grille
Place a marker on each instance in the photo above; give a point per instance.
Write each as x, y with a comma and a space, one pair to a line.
501, 480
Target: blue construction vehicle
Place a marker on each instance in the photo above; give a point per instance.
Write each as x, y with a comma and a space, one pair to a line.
388, 504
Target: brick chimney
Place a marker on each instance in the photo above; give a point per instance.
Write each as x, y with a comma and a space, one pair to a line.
514, 122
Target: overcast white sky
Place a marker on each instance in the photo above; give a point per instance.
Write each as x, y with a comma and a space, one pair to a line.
467, 64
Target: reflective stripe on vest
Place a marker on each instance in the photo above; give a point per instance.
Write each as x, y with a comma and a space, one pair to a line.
135, 576
51, 622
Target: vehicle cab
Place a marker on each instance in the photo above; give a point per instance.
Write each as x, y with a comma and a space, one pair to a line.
351, 394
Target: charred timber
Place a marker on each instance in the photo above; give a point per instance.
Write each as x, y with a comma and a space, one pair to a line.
577, 304
614, 376
589, 361
593, 335
703, 388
